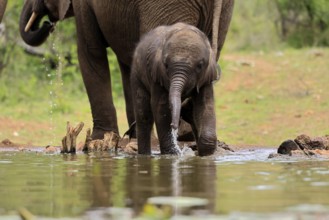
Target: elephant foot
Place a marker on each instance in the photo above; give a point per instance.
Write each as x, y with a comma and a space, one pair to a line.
99, 134
109, 142
175, 150
207, 149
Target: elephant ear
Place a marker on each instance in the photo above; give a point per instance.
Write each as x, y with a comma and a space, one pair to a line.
63, 8
158, 69
211, 73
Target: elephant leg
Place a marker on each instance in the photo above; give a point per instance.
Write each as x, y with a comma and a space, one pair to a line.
125, 73
97, 80
205, 121
94, 66
162, 117
187, 115
144, 119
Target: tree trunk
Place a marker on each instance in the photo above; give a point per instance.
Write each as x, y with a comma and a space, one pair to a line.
3, 4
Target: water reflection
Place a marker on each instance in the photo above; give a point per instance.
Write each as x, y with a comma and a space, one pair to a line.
70, 185
268, 187
130, 182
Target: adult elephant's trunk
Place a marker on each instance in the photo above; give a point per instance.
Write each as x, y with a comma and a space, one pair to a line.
177, 83
29, 23
3, 4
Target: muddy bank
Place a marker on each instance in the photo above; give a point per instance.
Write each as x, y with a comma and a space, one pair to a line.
300, 148
304, 145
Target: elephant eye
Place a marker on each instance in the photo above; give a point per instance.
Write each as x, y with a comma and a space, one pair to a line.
199, 66
166, 65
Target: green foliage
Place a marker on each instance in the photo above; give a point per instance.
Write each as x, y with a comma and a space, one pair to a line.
256, 25
269, 24
27, 73
252, 26
304, 22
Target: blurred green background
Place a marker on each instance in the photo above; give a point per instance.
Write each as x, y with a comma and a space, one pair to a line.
273, 87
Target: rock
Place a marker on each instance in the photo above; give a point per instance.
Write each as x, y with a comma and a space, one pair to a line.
303, 141
274, 155
321, 143
301, 153
306, 142
51, 149
287, 146
321, 152
305, 145
223, 145
7, 142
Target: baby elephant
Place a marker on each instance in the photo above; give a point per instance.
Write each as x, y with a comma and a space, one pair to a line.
172, 74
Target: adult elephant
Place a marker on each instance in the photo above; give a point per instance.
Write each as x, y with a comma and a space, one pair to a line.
119, 25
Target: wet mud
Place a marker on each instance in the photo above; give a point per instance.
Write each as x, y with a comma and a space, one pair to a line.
303, 147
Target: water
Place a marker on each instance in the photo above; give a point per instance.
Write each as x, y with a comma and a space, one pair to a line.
174, 135
54, 80
236, 186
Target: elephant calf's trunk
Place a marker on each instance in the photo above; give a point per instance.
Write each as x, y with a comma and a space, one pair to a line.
175, 105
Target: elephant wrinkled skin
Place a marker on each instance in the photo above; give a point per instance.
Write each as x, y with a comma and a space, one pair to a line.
119, 25
171, 65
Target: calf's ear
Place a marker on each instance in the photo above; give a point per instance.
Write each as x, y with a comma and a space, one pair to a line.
158, 69
211, 73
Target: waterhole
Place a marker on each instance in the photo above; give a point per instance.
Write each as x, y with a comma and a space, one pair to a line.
95, 186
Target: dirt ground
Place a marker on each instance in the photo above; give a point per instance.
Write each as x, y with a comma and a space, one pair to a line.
14, 127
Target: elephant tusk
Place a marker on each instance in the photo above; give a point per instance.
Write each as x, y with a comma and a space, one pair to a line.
31, 21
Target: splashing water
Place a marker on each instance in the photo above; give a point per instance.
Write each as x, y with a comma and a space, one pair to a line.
55, 84
174, 135
51, 98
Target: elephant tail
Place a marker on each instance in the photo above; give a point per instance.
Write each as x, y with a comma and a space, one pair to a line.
215, 25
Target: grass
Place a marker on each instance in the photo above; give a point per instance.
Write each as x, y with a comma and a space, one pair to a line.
263, 98
266, 98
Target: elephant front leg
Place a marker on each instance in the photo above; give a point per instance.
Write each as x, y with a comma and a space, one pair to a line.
94, 66
162, 117
97, 80
205, 121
